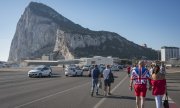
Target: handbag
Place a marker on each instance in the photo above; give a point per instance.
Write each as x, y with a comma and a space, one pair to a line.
166, 103
99, 84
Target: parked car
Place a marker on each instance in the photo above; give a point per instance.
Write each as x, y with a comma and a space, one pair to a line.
40, 71
86, 67
114, 68
101, 68
120, 66
90, 69
70, 65
73, 71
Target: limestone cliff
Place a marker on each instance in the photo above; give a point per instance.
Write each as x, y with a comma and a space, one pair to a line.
42, 30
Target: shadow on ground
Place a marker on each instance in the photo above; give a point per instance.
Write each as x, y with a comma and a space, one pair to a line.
122, 97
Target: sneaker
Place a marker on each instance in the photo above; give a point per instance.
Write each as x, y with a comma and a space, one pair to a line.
97, 93
92, 94
109, 94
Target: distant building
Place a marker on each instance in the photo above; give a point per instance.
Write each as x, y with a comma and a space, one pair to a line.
169, 52
159, 54
97, 60
44, 57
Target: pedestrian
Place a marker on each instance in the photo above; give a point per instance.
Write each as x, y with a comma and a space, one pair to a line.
133, 67
152, 68
139, 77
95, 74
128, 70
107, 81
163, 69
63, 67
158, 86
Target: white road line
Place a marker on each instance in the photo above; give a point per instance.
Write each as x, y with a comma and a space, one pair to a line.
50, 95
102, 100
172, 104
4, 80
169, 99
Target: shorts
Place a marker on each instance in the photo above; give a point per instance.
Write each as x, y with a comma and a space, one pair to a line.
107, 82
140, 90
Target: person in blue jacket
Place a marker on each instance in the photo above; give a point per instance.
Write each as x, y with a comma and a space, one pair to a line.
95, 74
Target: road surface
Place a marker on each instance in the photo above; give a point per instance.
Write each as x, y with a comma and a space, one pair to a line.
19, 91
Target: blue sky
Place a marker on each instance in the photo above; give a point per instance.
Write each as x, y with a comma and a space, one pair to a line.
154, 22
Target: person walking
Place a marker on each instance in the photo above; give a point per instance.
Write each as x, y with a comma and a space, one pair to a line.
95, 74
163, 69
139, 76
158, 86
128, 70
107, 82
152, 68
63, 67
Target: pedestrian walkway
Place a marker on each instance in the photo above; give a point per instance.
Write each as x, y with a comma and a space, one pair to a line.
173, 87
124, 98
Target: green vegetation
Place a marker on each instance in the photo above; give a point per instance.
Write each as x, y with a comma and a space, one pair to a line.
115, 48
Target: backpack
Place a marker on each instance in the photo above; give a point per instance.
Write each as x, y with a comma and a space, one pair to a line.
111, 77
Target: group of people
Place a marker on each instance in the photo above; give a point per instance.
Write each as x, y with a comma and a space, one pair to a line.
96, 80
140, 78
140, 75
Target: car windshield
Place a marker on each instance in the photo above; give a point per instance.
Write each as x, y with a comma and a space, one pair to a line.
38, 68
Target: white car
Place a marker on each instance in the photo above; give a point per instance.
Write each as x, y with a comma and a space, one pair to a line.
86, 67
40, 71
115, 68
73, 71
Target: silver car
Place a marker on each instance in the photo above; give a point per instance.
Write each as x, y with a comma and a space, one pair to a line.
40, 71
86, 67
73, 71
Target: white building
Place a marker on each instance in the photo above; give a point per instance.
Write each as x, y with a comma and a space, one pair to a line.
97, 60
169, 52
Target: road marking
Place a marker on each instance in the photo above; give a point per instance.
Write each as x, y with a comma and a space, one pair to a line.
172, 104
102, 100
51, 95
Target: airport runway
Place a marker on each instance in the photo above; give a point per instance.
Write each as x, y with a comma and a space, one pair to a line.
19, 91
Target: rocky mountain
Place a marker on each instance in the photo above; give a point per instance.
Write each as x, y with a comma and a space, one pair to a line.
43, 31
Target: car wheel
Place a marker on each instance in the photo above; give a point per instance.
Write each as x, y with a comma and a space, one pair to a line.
50, 74
40, 75
75, 74
81, 73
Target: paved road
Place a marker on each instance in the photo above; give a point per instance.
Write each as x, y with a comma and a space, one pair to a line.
173, 84
19, 91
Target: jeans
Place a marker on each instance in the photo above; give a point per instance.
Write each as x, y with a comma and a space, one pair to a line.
158, 100
94, 84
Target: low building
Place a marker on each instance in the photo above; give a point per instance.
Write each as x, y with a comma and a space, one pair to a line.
49, 63
44, 57
97, 60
